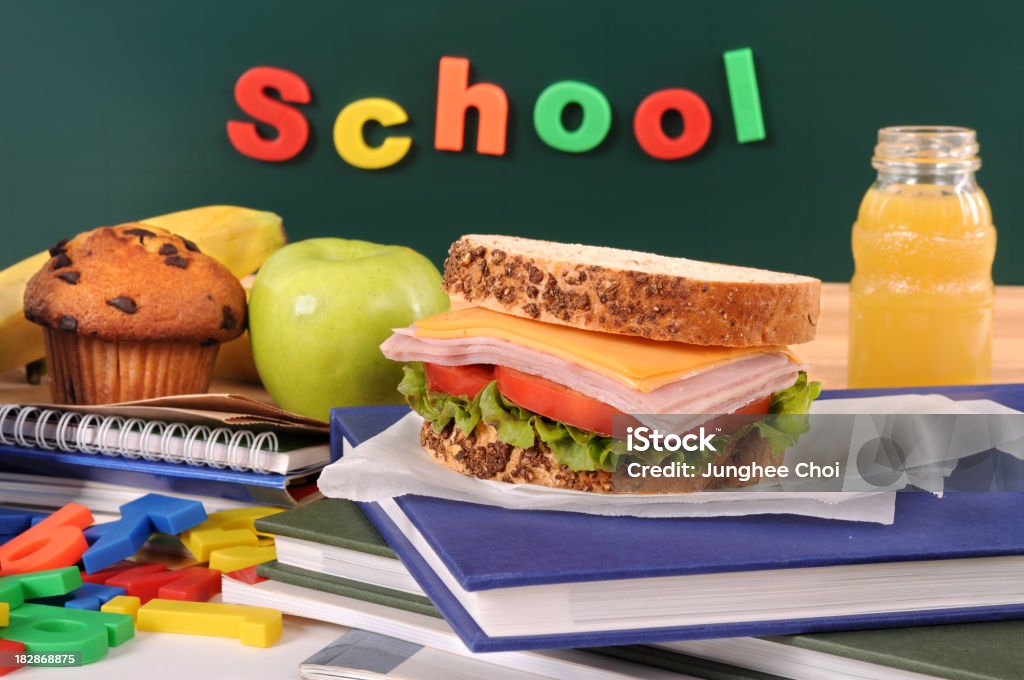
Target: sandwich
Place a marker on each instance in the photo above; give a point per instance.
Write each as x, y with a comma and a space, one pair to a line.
551, 349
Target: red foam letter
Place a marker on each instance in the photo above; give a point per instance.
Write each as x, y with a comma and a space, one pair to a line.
55, 542
252, 97
8, 650
193, 583
651, 135
130, 569
454, 96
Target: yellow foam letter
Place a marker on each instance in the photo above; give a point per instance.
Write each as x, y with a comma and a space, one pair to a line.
225, 529
254, 626
349, 139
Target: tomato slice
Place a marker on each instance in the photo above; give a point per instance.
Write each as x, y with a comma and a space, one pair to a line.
734, 421
555, 401
461, 381
760, 406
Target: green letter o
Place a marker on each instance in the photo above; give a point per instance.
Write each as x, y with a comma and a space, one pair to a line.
547, 116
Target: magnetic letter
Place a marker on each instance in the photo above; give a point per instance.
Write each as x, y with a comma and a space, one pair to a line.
223, 530
351, 144
8, 648
192, 583
547, 116
46, 629
252, 97
139, 519
651, 135
454, 96
57, 541
744, 95
254, 626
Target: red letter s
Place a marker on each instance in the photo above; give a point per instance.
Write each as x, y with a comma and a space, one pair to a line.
252, 97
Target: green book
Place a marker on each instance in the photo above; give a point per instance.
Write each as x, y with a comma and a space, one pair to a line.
330, 521
347, 588
965, 651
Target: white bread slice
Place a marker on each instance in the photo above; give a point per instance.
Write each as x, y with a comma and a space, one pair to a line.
632, 293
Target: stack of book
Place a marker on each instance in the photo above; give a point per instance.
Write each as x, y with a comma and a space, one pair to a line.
936, 594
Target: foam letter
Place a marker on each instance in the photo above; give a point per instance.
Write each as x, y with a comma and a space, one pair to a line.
92, 596
254, 626
15, 521
240, 557
454, 96
252, 97
225, 529
123, 604
192, 583
547, 116
104, 575
45, 629
57, 541
14, 590
351, 144
8, 648
650, 134
139, 519
744, 95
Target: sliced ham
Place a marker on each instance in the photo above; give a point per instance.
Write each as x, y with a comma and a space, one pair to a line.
719, 389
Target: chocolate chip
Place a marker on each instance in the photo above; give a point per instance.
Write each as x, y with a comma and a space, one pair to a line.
229, 323
30, 316
189, 245
168, 249
62, 260
176, 261
59, 248
68, 323
70, 277
125, 304
141, 233
209, 342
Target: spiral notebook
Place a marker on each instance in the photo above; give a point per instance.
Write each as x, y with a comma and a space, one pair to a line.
216, 431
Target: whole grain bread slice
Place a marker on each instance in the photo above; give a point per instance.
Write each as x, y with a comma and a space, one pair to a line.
480, 454
632, 293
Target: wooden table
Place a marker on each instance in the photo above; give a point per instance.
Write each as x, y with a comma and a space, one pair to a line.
827, 353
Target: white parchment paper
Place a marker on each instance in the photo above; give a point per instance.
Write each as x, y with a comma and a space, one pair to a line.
394, 464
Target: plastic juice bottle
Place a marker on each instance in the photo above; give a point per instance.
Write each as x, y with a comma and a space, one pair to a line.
922, 295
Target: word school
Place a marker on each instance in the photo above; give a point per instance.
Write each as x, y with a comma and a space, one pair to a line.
272, 96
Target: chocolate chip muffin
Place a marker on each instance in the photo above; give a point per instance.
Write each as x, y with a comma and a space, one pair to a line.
132, 312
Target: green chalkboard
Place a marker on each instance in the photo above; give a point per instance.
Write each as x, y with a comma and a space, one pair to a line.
113, 110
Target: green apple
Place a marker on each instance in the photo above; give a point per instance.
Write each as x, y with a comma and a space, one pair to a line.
320, 309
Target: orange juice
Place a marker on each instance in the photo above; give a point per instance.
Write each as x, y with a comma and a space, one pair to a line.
922, 295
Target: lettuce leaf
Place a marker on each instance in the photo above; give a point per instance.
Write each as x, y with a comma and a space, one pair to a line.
572, 447
578, 449
787, 420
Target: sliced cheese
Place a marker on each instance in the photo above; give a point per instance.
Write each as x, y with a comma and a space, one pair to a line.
640, 363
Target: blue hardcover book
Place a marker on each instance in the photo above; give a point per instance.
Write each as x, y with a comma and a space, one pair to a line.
509, 580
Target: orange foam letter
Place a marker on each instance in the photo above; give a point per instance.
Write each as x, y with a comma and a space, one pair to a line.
454, 96
55, 542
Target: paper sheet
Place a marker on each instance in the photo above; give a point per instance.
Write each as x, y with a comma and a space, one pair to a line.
394, 464
226, 409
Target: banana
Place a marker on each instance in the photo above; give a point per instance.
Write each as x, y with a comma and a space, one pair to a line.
20, 340
239, 238
234, 361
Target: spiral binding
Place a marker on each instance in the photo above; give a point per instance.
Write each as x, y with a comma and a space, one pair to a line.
154, 440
